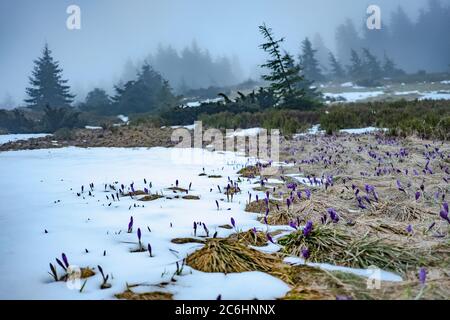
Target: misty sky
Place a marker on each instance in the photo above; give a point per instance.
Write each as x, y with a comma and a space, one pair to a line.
114, 31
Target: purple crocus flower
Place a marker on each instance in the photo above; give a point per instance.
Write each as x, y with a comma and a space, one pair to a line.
308, 193
305, 253
146, 190
130, 225
422, 275
444, 215
233, 223
409, 229
308, 228
64, 258
288, 202
299, 195
333, 215
293, 224
139, 234
269, 237
149, 247
265, 219
417, 195
399, 186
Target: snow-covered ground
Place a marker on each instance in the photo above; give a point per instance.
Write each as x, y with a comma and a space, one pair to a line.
39, 194
354, 96
435, 95
5, 138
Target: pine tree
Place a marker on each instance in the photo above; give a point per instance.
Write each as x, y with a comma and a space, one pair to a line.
337, 70
389, 67
356, 69
371, 65
150, 92
284, 75
48, 88
309, 63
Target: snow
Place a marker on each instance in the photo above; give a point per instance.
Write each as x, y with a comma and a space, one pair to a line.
245, 285
314, 130
362, 130
189, 127
123, 118
402, 93
251, 132
5, 138
93, 128
445, 82
381, 274
436, 95
355, 96
50, 179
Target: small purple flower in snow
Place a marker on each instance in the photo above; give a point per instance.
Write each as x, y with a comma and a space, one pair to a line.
233, 223
130, 225
269, 237
293, 224
333, 215
139, 234
66, 262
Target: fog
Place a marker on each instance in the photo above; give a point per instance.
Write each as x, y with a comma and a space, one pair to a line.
117, 34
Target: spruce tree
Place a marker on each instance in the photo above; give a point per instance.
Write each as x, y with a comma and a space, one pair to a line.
149, 93
371, 65
337, 71
389, 67
284, 73
309, 63
48, 88
356, 68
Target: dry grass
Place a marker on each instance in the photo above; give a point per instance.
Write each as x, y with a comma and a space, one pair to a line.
249, 172
151, 197
156, 295
186, 240
227, 256
191, 197
334, 245
257, 239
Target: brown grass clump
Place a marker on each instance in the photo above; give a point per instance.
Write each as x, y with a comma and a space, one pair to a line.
227, 256
156, 295
87, 272
280, 217
260, 206
151, 197
257, 239
214, 176
135, 193
178, 189
190, 197
186, 240
335, 246
249, 172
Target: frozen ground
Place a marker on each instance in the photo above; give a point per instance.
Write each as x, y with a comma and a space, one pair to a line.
39, 194
5, 138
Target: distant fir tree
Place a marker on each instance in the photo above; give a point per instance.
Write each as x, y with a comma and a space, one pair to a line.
47, 85
284, 74
97, 101
149, 93
371, 65
337, 71
309, 63
389, 68
356, 68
